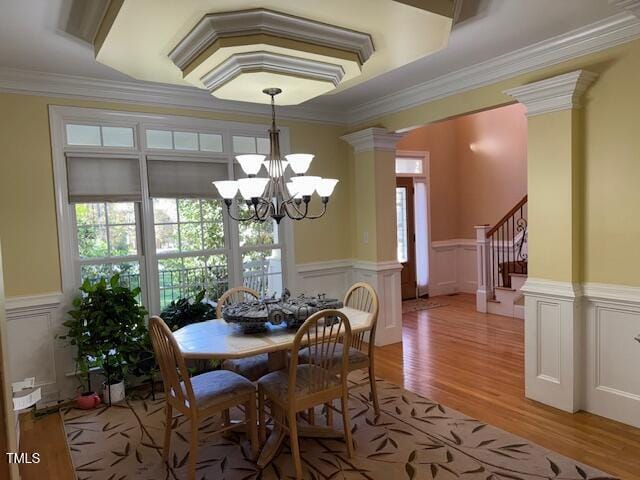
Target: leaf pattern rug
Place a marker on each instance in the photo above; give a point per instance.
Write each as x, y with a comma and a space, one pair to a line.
413, 438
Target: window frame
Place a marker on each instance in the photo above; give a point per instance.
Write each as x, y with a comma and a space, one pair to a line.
60, 116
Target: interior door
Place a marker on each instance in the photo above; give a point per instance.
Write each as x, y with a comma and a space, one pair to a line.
406, 236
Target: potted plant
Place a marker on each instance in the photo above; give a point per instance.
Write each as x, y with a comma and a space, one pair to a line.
185, 311
107, 325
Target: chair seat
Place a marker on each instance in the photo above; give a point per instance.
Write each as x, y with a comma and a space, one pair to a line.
276, 384
251, 367
217, 387
357, 359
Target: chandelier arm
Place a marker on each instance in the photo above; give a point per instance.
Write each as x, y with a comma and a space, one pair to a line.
313, 217
238, 219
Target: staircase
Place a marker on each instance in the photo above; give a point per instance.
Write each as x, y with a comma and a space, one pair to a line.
502, 263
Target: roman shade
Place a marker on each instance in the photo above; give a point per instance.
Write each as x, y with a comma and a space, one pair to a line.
100, 179
184, 178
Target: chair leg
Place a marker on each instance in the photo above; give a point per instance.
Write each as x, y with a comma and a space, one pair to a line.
374, 390
193, 449
295, 447
226, 417
311, 416
329, 407
167, 432
252, 426
262, 417
347, 426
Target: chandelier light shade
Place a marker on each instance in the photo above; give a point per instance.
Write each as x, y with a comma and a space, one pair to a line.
273, 197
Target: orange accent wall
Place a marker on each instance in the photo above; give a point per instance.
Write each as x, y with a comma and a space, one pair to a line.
478, 168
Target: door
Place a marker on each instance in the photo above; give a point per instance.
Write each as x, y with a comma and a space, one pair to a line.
406, 236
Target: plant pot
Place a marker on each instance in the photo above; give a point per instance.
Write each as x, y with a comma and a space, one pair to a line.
87, 400
113, 393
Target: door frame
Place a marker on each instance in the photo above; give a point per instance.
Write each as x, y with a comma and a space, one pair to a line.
425, 178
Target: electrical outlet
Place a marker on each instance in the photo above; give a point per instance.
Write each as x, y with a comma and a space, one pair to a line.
365, 238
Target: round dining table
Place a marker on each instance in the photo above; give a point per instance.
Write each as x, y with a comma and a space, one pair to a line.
219, 340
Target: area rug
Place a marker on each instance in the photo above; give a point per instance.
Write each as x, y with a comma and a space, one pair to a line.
413, 438
418, 304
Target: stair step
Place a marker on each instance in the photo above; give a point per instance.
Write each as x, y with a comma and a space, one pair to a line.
493, 300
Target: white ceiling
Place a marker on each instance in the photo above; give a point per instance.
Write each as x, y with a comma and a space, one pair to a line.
33, 37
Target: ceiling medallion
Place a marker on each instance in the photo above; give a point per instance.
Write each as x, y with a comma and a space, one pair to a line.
273, 197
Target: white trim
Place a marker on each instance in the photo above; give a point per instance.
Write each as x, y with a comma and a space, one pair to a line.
540, 287
33, 303
562, 92
311, 268
149, 93
619, 294
614, 30
387, 266
263, 21
632, 6
454, 242
372, 139
238, 63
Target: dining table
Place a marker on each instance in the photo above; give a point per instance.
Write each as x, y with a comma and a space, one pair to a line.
218, 340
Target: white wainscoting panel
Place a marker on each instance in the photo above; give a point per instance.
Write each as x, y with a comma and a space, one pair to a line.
553, 343
332, 277
612, 353
452, 267
33, 323
385, 278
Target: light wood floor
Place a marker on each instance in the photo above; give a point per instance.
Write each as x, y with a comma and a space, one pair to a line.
469, 361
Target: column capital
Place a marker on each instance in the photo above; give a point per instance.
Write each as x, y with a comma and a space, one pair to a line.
553, 94
372, 139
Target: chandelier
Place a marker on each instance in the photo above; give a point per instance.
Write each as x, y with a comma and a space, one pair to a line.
273, 197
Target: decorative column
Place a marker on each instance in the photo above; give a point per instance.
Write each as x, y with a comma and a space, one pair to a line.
554, 366
483, 257
374, 229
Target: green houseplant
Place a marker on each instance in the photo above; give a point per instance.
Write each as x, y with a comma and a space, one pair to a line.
107, 327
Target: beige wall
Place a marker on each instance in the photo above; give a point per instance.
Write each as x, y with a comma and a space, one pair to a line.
478, 168
27, 212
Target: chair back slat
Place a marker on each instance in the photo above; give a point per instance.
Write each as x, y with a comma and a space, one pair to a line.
321, 333
235, 295
362, 296
175, 376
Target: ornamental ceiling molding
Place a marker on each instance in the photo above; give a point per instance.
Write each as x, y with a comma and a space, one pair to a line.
215, 26
239, 63
562, 92
615, 30
632, 6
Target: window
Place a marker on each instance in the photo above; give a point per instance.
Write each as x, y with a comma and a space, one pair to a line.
401, 227
151, 213
99, 136
190, 248
184, 141
107, 239
409, 165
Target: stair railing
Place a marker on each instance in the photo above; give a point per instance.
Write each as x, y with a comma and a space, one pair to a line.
502, 251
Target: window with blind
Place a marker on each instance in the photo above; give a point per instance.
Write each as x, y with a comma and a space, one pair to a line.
151, 213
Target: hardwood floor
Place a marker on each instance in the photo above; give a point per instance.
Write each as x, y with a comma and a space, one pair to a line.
474, 362
469, 361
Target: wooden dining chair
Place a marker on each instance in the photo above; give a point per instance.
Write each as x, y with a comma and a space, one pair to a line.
252, 367
316, 382
199, 397
361, 296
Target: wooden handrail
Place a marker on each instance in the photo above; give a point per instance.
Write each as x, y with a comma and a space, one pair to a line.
517, 207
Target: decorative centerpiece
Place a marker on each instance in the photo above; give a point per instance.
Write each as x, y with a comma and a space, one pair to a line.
252, 317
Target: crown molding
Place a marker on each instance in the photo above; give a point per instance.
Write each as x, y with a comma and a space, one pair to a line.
562, 92
607, 33
372, 139
239, 63
632, 6
148, 93
262, 21
612, 31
